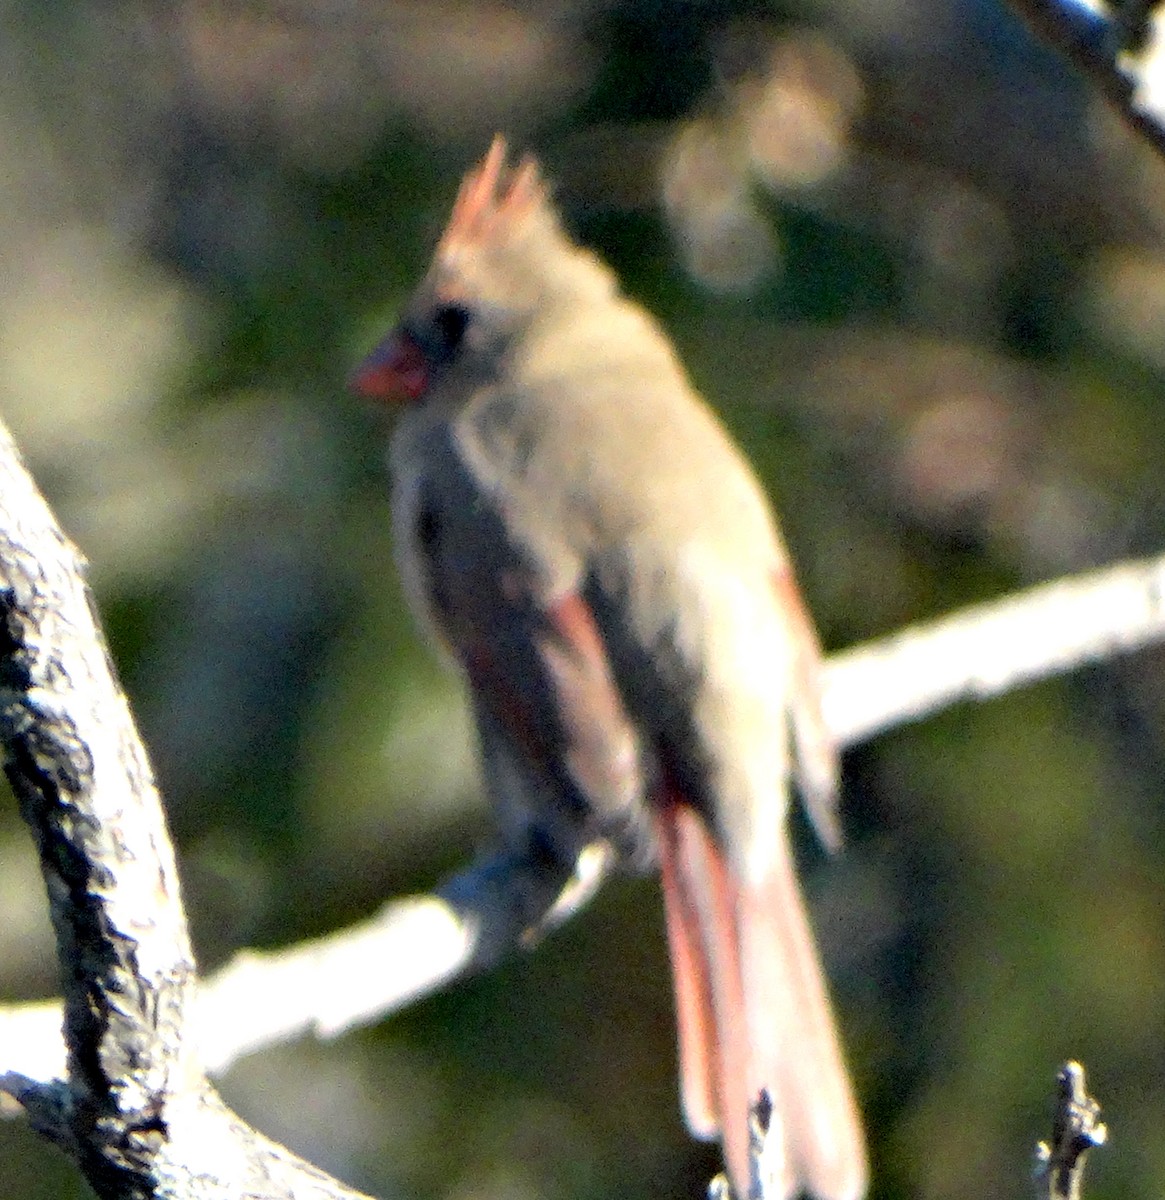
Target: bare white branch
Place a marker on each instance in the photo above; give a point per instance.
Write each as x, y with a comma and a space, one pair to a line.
993, 648
418, 944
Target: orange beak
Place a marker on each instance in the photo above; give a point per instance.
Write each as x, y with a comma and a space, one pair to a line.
396, 370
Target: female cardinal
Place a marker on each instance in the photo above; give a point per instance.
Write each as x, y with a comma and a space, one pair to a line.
579, 531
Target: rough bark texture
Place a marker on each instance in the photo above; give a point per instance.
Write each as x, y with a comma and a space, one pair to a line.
134, 1109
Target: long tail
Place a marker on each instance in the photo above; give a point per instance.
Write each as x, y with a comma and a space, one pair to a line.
752, 1012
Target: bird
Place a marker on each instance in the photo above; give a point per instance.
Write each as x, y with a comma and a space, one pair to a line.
577, 530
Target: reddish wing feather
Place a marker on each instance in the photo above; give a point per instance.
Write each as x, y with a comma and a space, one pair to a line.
602, 750
752, 1012
700, 907
695, 1023
545, 676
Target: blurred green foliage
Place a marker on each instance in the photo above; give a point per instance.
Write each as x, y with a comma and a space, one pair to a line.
942, 349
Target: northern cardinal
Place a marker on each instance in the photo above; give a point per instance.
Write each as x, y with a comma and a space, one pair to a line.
580, 532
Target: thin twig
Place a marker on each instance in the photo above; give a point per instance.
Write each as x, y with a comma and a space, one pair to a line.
1076, 1129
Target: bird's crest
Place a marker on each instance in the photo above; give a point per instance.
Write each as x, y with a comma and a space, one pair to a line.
493, 198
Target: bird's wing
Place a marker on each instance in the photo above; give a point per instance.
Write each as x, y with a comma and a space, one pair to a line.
507, 602
815, 766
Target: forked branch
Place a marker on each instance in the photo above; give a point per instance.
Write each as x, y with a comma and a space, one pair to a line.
124, 1090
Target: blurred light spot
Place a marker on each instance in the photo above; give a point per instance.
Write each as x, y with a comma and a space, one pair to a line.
326, 80
389, 767
91, 342
1062, 523
429, 755
957, 456
87, 339
965, 235
784, 122
360, 1100
725, 240
797, 115
1124, 298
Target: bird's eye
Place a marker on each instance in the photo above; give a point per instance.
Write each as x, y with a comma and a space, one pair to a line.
450, 322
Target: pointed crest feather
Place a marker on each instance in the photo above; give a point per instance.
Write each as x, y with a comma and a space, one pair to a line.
493, 198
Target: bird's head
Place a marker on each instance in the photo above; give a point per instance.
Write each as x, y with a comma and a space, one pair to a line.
502, 266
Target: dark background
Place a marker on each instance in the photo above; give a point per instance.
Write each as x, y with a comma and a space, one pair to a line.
920, 271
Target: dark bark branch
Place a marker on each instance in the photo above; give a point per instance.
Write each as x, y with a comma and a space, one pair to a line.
133, 1106
1117, 48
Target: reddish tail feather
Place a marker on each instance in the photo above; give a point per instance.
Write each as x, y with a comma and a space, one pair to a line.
752, 1012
